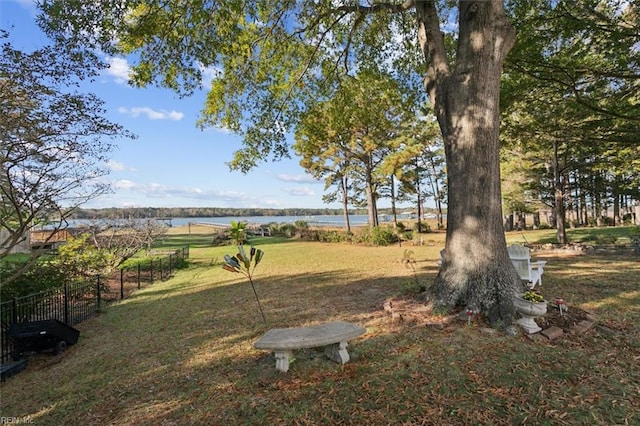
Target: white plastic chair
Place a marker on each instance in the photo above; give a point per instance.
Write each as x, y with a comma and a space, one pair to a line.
529, 271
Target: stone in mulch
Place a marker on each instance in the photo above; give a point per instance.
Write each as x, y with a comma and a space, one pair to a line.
552, 332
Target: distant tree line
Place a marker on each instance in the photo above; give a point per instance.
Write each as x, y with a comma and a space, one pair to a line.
166, 212
159, 212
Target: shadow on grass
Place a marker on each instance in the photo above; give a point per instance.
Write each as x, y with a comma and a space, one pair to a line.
605, 282
182, 351
600, 235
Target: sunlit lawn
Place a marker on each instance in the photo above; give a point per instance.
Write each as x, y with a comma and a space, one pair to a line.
180, 351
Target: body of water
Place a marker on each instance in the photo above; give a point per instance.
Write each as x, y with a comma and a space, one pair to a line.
322, 220
319, 220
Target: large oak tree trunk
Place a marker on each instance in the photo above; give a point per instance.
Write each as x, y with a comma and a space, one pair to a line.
476, 271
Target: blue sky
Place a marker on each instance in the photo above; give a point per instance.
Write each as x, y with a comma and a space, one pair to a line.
172, 163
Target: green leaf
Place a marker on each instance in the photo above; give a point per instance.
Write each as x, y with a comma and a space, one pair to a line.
259, 254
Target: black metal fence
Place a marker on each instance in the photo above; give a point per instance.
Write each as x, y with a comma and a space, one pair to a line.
76, 302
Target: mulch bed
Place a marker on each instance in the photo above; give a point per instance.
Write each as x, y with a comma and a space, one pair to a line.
569, 318
412, 310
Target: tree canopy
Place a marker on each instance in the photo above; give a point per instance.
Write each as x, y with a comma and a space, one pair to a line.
277, 63
571, 105
55, 140
271, 60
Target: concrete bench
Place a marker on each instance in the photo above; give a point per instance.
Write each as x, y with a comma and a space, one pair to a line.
333, 336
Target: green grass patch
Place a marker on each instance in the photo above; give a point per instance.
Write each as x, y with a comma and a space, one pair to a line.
603, 235
181, 350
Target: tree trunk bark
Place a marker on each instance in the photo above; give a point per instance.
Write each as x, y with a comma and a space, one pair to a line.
418, 201
617, 220
476, 272
393, 202
345, 203
561, 232
372, 209
436, 193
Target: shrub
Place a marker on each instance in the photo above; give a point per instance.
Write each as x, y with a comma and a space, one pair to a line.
274, 228
333, 236
378, 236
78, 256
301, 224
421, 227
39, 277
412, 288
287, 230
238, 232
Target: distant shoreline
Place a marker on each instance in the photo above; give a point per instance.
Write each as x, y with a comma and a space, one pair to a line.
216, 212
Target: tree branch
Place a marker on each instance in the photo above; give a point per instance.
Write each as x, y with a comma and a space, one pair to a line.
432, 44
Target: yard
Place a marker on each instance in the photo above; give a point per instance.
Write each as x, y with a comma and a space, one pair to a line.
181, 351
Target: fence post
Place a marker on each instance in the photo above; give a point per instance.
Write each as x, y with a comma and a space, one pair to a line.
66, 303
170, 263
98, 295
151, 271
121, 283
14, 314
138, 276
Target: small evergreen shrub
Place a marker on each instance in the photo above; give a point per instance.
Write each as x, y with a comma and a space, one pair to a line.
379, 236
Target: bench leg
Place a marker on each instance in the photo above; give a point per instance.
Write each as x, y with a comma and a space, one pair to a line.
282, 360
337, 352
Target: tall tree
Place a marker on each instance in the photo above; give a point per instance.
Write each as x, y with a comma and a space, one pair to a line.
55, 141
417, 161
572, 90
277, 58
353, 128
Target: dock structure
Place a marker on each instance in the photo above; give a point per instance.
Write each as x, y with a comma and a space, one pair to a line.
165, 220
258, 229
211, 224
48, 239
250, 228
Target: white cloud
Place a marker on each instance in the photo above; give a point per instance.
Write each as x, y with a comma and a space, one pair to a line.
297, 178
151, 113
124, 184
116, 166
138, 194
209, 74
219, 129
156, 190
118, 69
299, 192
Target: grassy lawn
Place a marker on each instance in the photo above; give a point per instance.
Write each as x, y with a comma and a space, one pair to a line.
180, 351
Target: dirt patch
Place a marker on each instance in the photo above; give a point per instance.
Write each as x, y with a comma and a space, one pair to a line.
569, 318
